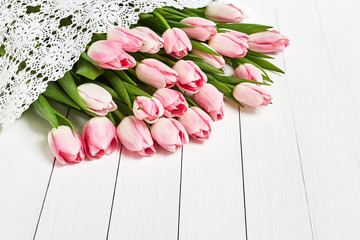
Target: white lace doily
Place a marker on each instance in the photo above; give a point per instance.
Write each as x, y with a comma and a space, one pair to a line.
34, 42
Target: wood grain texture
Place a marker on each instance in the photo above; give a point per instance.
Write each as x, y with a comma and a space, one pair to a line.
211, 208
78, 202
147, 197
330, 163
276, 204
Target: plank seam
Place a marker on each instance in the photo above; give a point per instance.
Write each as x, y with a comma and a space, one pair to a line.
180, 188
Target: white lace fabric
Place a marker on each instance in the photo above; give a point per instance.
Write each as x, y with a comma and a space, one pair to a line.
38, 51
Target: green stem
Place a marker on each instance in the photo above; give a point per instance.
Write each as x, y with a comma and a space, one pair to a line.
162, 19
119, 114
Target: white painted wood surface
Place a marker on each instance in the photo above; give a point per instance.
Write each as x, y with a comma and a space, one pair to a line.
288, 171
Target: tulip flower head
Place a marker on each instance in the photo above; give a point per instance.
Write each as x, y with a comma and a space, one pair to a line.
214, 61
197, 123
130, 39
191, 77
231, 44
156, 73
221, 12
251, 95
176, 43
268, 42
152, 43
135, 136
147, 109
96, 99
211, 100
174, 103
169, 134
110, 55
99, 137
248, 71
66, 145
203, 29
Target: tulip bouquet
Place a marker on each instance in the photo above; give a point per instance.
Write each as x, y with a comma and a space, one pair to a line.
160, 81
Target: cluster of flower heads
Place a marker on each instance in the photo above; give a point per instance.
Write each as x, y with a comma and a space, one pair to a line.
176, 98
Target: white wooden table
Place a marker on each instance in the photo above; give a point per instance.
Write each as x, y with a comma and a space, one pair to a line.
286, 172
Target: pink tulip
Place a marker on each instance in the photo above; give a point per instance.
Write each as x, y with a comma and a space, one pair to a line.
211, 100
249, 71
147, 109
96, 99
191, 78
251, 95
156, 73
176, 43
221, 12
110, 55
152, 43
231, 44
268, 42
173, 102
203, 29
212, 60
99, 137
135, 136
197, 123
66, 145
131, 40
169, 134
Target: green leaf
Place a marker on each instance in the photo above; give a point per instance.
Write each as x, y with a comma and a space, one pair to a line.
124, 108
176, 24
202, 47
267, 79
124, 76
55, 92
69, 86
46, 111
135, 90
86, 57
191, 101
110, 117
2, 50
256, 54
192, 57
63, 120
247, 28
234, 80
207, 68
145, 15
189, 13
118, 86
219, 85
171, 10
88, 70
265, 64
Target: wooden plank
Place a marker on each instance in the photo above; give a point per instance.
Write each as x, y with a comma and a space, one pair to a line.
211, 193
78, 202
276, 204
147, 197
25, 167
344, 57
330, 163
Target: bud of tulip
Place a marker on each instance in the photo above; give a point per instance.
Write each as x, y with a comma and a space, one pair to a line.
110, 55
96, 99
268, 42
191, 78
212, 60
99, 137
135, 136
211, 100
147, 109
204, 29
131, 40
173, 102
249, 71
231, 44
156, 73
169, 134
66, 145
197, 123
251, 95
221, 12
176, 43
152, 43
